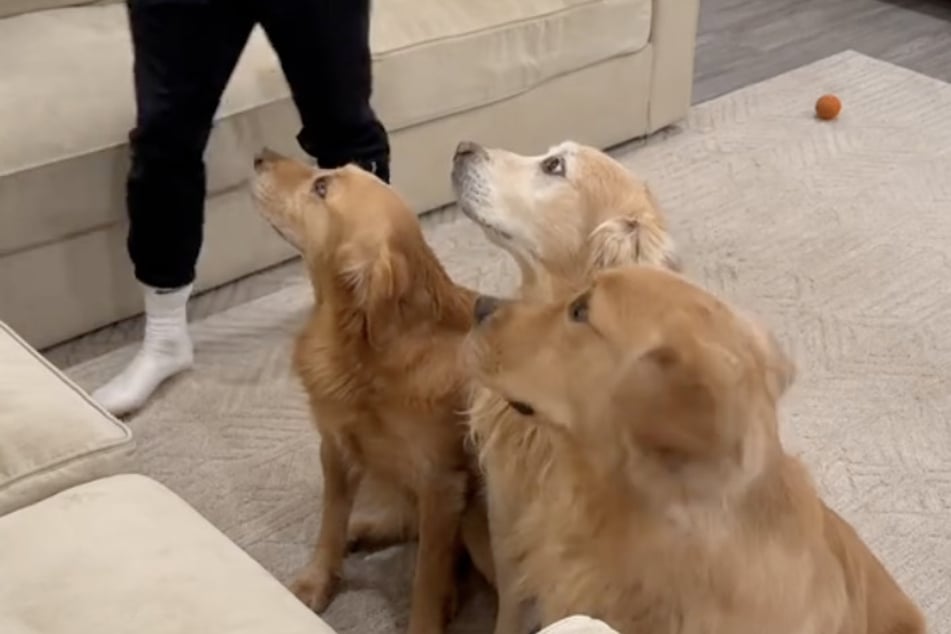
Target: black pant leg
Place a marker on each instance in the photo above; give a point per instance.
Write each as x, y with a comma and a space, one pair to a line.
185, 52
324, 48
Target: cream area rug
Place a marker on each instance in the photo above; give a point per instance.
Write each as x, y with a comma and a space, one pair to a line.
837, 233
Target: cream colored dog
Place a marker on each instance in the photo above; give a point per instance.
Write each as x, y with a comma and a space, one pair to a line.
562, 216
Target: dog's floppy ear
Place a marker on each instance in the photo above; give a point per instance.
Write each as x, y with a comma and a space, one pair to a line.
671, 396
376, 281
636, 236
779, 367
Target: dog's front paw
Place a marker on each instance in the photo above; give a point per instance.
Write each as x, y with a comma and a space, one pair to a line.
314, 587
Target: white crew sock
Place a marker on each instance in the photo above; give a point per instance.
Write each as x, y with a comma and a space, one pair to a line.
578, 625
166, 351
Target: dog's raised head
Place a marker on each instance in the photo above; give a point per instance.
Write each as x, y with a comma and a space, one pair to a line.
648, 371
363, 244
568, 212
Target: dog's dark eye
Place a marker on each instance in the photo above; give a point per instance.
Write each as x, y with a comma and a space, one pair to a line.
522, 408
578, 310
320, 186
554, 166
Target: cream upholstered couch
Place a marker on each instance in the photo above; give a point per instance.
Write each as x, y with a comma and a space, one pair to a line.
87, 548
521, 73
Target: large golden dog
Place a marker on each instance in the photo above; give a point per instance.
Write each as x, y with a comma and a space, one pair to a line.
669, 504
562, 216
379, 358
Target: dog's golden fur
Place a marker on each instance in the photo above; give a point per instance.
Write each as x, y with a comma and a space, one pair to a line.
562, 216
379, 359
669, 504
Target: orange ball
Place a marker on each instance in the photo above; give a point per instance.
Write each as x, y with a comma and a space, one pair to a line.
828, 107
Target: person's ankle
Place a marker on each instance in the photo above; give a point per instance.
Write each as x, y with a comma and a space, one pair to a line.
379, 167
166, 350
376, 165
172, 343
166, 319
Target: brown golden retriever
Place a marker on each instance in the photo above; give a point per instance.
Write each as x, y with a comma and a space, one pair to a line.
379, 358
562, 216
670, 505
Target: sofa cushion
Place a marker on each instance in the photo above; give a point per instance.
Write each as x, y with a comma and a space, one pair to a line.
124, 554
65, 119
438, 57
14, 7
65, 110
53, 435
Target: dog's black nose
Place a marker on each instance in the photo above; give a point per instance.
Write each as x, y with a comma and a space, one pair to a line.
466, 149
485, 305
264, 157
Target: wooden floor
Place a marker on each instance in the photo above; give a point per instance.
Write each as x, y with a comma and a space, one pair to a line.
745, 41
739, 42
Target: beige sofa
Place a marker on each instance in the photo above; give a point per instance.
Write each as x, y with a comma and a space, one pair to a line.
86, 548
520, 73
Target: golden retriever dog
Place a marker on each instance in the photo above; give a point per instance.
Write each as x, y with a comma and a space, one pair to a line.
562, 216
672, 506
380, 361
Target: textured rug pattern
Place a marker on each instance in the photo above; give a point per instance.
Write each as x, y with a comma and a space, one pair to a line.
837, 234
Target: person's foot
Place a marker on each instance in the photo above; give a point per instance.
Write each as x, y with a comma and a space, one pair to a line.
166, 351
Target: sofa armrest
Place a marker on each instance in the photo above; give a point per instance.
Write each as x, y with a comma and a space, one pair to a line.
52, 435
673, 39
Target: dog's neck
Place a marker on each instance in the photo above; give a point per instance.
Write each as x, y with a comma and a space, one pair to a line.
730, 482
666, 485
432, 298
438, 296
539, 284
